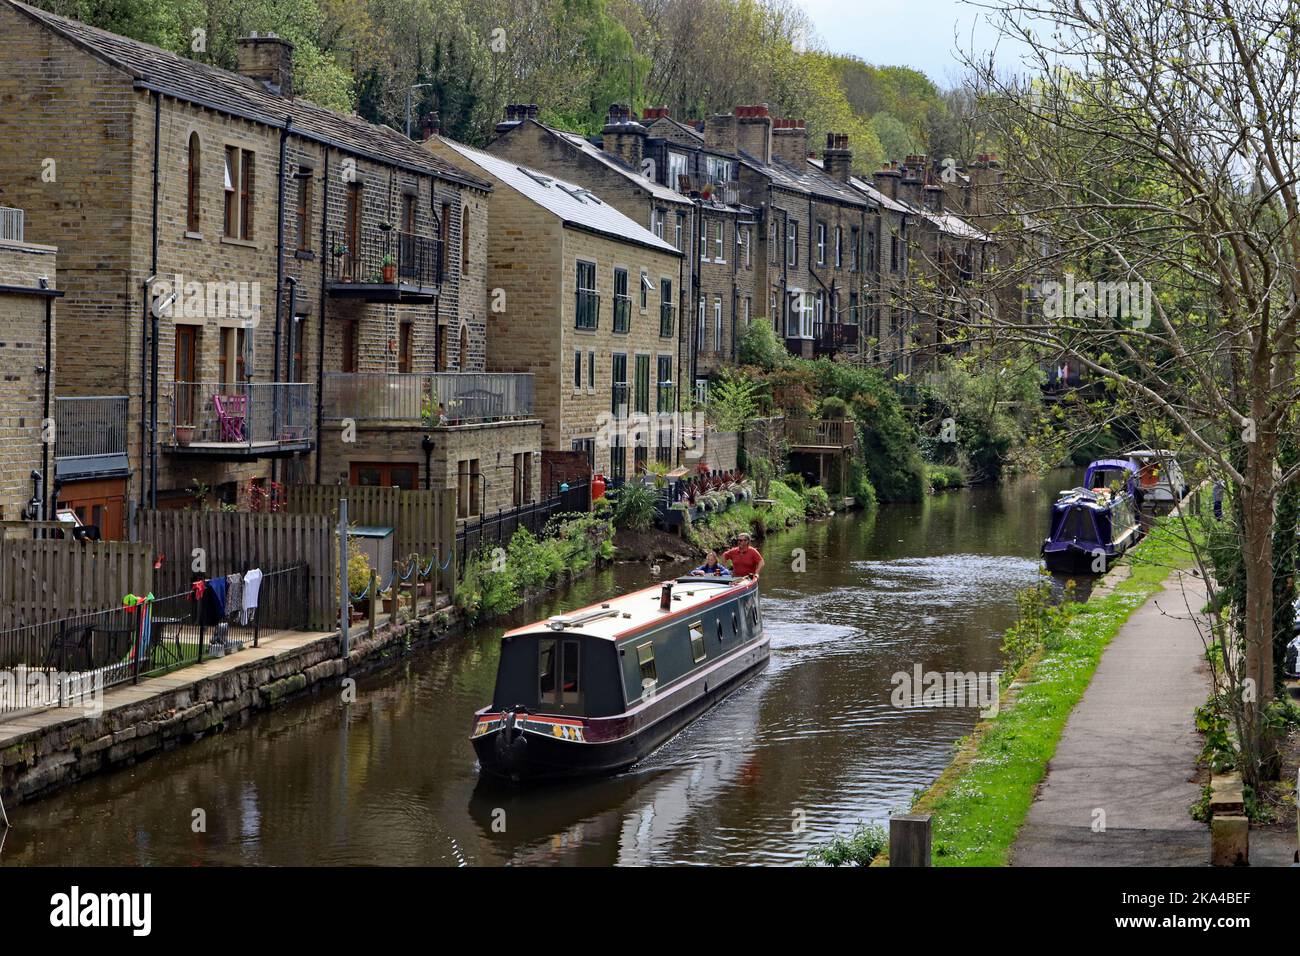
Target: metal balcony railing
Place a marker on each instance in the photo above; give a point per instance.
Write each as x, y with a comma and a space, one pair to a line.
90, 426
833, 336
247, 415
11, 224
379, 257
464, 397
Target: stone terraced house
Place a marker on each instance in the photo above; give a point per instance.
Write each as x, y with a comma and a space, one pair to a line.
263, 289
588, 302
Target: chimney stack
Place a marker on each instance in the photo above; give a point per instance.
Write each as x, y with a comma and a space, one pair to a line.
790, 142
912, 186
721, 133
887, 179
431, 125
754, 131
623, 136
269, 60
837, 159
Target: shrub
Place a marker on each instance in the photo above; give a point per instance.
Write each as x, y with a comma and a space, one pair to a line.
816, 502
944, 477
858, 849
634, 508
758, 345
834, 408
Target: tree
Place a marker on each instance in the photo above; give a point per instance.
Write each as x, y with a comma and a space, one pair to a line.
1153, 151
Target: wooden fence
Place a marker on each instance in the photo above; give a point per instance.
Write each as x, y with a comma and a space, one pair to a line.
234, 541
423, 521
50, 579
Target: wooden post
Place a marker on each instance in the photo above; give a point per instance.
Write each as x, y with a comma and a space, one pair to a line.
909, 839
344, 596
374, 599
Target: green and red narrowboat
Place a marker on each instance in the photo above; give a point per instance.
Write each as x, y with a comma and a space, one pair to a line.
596, 690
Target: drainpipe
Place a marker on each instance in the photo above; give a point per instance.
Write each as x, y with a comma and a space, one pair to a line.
320, 340
149, 330
45, 412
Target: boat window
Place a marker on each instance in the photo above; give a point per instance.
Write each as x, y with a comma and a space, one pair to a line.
697, 641
569, 686
720, 638
645, 655
735, 624
1076, 525
546, 672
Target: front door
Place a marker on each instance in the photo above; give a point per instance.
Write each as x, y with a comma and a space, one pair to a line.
98, 503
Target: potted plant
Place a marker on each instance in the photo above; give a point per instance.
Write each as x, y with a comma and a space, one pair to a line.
184, 435
389, 267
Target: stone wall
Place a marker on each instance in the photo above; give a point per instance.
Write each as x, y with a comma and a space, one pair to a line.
40, 761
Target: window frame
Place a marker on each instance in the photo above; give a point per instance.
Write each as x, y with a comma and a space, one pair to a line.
586, 313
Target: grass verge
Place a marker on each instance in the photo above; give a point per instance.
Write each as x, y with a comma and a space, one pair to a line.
980, 801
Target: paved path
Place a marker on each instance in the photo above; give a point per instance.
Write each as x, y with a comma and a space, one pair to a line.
1129, 749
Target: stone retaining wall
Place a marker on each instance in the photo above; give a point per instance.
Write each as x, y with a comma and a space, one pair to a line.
52, 757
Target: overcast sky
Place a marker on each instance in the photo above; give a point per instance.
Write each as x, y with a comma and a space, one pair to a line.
918, 33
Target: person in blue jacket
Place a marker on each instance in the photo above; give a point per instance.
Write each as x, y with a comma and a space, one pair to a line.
712, 567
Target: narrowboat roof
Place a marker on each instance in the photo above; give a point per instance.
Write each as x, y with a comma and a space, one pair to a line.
1112, 463
638, 611
1151, 453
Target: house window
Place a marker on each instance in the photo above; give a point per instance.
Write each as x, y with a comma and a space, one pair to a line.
587, 314
349, 363
444, 238
678, 230
666, 308
646, 286
717, 323
523, 478
469, 485
617, 456
239, 193
303, 211
676, 170
772, 242
839, 247
871, 250
642, 384
408, 213
745, 305
383, 475
792, 243
855, 240
742, 246
664, 384
699, 324
622, 302
230, 363
821, 243
192, 218
577, 371
657, 222
464, 240
618, 398
706, 228
893, 252
717, 242
404, 347
591, 371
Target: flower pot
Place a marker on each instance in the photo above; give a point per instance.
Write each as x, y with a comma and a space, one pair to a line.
184, 435
390, 274
388, 605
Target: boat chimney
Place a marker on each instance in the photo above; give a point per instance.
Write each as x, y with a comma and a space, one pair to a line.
666, 596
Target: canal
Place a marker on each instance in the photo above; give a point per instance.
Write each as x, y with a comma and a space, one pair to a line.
805, 751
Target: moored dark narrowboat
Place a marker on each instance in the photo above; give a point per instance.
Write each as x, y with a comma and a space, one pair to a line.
1094, 525
596, 690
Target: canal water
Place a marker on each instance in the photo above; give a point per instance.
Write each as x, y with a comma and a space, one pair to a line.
807, 750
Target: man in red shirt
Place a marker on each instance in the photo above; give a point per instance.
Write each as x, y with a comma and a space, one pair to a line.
744, 558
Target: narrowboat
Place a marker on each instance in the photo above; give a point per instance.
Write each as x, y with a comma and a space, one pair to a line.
1160, 481
1094, 525
596, 690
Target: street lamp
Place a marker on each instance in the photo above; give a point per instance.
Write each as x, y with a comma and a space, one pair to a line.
409, 89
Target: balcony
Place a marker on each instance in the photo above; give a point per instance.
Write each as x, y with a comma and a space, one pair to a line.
385, 266
235, 422
819, 435
832, 337
11, 224
90, 437
466, 398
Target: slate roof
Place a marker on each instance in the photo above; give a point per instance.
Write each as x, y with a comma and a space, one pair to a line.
809, 180
872, 193
613, 162
574, 205
194, 82
945, 222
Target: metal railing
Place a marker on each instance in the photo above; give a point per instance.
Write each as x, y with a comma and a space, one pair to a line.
386, 258
242, 413
11, 224
833, 336
89, 426
465, 398
71, 661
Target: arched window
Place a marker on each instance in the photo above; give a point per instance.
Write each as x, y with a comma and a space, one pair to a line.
464, 347
192, 220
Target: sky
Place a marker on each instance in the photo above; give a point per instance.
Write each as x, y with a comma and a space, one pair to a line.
922, 34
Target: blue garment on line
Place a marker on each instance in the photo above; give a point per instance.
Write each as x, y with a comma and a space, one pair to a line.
214, 602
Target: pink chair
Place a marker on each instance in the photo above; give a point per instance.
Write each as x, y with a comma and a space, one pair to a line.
232, 410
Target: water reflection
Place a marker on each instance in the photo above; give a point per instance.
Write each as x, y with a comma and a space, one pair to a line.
806, 750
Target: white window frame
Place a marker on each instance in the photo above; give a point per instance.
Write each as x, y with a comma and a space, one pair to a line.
717, 323
821, 243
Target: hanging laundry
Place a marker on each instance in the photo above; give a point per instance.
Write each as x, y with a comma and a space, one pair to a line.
252, 584
234, 592
213, 610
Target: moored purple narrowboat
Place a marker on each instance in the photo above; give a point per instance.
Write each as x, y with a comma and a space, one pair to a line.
1093, 525
596, 690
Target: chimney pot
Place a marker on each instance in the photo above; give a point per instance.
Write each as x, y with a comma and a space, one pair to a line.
268, 60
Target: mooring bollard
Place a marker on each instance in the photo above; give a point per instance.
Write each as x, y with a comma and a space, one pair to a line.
909, 839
